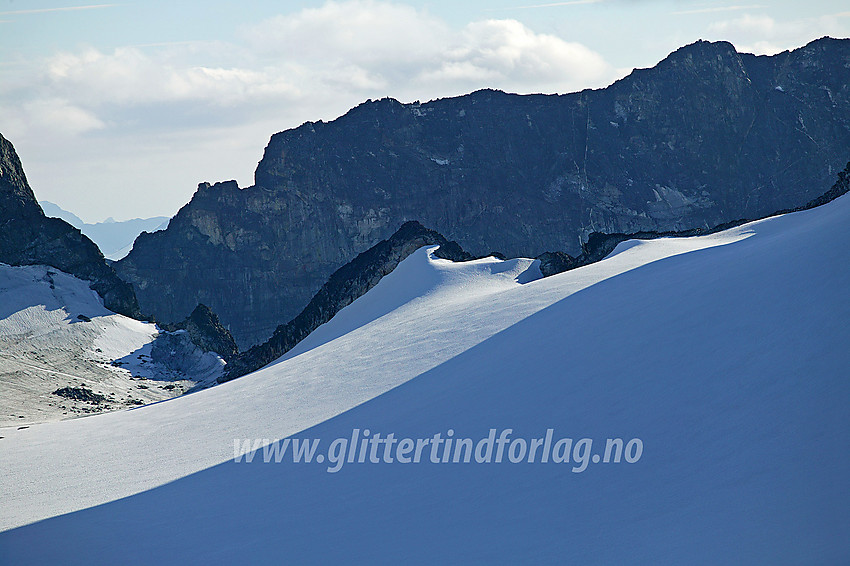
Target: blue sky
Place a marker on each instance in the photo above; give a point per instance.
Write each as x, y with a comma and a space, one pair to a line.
120, 109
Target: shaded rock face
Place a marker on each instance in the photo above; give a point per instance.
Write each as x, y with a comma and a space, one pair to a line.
27, 237
206, 332
599, 245
344, 286
706, 136
16, 196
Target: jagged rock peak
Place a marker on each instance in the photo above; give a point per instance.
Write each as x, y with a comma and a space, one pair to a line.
27, 237
207, 332
15, 192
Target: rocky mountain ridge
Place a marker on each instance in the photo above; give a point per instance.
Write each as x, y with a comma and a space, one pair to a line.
600, 244
358, 276
705, 137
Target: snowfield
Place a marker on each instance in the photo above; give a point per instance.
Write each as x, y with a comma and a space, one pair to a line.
55, 333
726, 355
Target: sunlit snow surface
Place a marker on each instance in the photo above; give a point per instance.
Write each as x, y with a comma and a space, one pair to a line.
727, 355
55, 333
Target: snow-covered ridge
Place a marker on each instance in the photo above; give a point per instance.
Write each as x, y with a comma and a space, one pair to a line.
425, 312
726, 354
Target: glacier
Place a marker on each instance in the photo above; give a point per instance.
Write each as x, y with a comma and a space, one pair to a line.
725, 354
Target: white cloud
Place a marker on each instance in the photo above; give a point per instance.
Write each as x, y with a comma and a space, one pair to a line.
339, 53
360, 32
765, 35
161, 109
51, 118
129, 76
390, 47
506, 54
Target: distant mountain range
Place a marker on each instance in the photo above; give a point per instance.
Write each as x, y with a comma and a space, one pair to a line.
115, 239
705, 137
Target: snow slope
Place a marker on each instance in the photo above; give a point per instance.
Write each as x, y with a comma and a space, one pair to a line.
55, 333
726, 355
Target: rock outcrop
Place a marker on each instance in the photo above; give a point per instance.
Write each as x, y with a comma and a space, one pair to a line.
344, 286
206, 332
27, 237
705, 137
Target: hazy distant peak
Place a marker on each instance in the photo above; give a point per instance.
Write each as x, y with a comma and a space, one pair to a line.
55, 211
114, 238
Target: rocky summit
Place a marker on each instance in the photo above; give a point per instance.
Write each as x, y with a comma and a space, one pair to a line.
206, 332
28, 237
705, 137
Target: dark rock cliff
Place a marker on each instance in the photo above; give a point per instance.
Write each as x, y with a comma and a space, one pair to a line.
358, 276
599, 245
206, 332
27, 237
344, 286
707, 136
